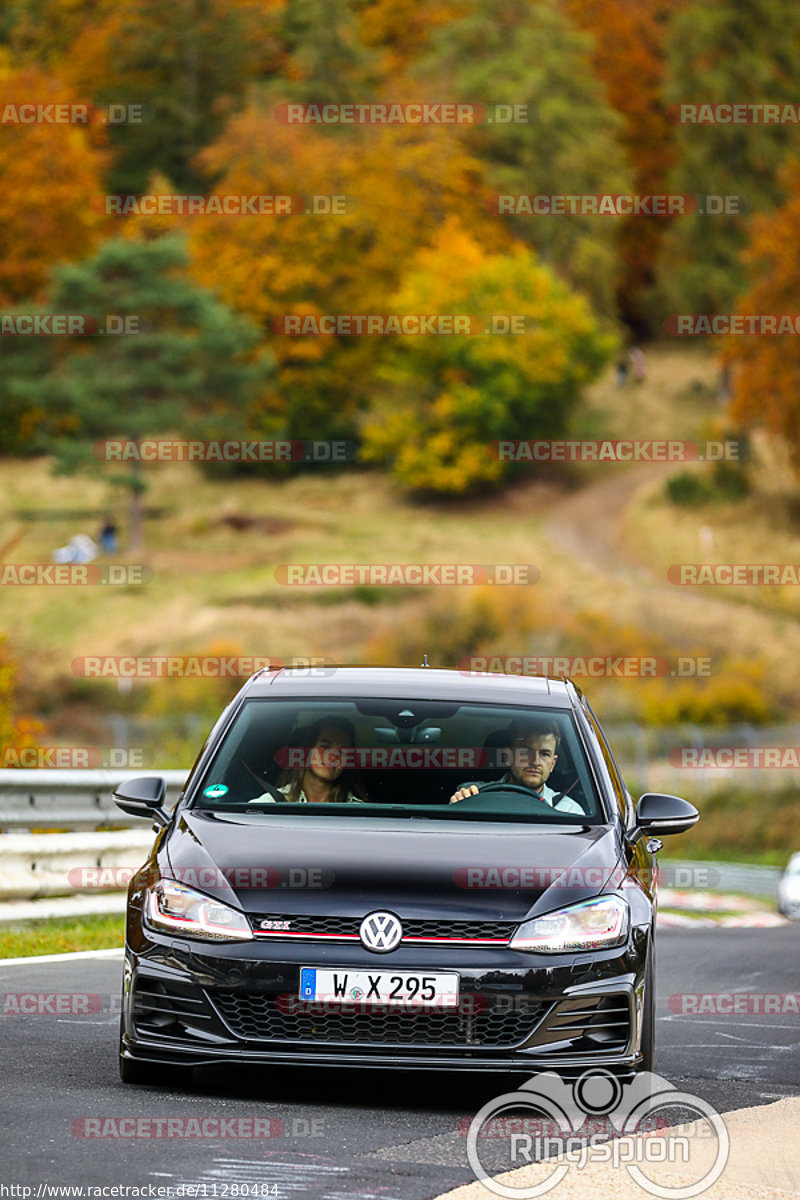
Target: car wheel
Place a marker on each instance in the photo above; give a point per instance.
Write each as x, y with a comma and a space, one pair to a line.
648, 1043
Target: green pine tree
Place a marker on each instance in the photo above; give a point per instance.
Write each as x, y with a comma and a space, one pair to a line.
189, 368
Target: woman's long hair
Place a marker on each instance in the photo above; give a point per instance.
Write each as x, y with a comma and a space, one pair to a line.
349, 782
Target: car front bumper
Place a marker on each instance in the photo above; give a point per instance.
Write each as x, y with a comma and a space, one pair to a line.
193, 1003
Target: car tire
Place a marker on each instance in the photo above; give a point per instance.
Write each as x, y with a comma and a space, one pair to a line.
648, 1043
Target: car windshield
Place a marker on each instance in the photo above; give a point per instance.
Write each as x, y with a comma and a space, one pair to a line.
406, 758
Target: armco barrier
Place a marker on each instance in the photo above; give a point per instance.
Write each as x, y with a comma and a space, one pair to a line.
70, 800
63, 814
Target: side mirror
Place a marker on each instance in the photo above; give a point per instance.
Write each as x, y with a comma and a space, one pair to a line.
143, 797
658, 814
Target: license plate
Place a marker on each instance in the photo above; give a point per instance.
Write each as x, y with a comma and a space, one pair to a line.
406, 988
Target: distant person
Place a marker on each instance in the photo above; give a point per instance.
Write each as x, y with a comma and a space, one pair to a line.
109, 539
638, 365
533, 745
322, 779
80, 549
622, 372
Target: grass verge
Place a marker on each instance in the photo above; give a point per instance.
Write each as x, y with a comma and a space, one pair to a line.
62, 935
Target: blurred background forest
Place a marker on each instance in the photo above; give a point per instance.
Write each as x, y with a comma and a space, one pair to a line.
210, 80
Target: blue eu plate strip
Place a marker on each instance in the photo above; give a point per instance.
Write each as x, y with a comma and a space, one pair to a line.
308, 983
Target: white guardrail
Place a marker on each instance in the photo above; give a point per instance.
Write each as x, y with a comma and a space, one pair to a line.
52, 840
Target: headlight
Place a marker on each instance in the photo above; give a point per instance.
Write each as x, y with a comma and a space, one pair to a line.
591, 925
173, 908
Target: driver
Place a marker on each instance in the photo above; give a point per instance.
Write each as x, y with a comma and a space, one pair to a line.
533, 745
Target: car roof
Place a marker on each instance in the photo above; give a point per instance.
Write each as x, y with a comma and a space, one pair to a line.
417, 683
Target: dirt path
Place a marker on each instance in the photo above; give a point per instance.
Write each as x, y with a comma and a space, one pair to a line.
587, 532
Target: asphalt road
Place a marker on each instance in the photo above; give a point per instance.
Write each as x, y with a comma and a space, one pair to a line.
347, 1135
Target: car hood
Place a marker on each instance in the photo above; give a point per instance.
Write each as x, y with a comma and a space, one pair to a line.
348, 866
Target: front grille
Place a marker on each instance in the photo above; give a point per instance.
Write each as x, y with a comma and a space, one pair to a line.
288, 1019
347, 928
586, 1024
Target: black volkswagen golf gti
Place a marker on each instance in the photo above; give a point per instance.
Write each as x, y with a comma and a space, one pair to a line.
394, 867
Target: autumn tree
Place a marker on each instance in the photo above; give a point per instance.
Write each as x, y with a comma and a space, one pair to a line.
530, 55
767, 376
185, 365
46, 213
41, 32
326, 59
628, 53
401, 29
441, 400
187, 65
731, 52
400, 184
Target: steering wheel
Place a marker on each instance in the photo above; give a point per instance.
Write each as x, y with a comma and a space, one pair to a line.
507, 787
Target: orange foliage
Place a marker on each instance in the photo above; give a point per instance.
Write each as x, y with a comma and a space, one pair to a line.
400, 28
401, 183
50, 173
629, 57
767, 386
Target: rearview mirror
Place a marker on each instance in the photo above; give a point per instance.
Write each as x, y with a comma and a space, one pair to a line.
143, 797
658, 813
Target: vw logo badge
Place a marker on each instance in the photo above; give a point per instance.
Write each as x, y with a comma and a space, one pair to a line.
380, 932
